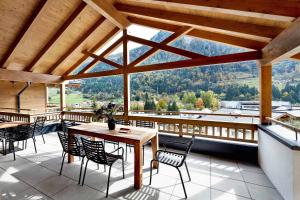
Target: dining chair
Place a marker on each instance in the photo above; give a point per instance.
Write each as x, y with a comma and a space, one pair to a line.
38, 126
71, 146
19, 133
95, 152
174, 159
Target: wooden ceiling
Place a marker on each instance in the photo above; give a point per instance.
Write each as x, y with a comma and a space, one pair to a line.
55, 37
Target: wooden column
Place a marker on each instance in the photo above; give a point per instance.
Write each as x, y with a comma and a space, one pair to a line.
62, 96
265, 86
126, 76
46, 96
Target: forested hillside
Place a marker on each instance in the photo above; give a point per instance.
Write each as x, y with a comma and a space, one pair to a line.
237, 81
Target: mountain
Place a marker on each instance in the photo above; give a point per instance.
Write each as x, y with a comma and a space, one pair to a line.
222, 79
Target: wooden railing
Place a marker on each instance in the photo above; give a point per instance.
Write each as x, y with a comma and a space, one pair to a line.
9, 116
84, 117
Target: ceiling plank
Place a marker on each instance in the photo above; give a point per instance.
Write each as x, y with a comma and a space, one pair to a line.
106, 9
285, 45
106, 39
111, 48
102, 59
95, 74
297, 56
200, 21
22, 32
177, 34
212, 36
60, 31
196, 62
272, 7
182, 52
76, 44
21, 76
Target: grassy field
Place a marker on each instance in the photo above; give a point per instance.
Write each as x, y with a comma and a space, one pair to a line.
71, 99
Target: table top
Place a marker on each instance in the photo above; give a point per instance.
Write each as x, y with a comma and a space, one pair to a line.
101, 130
11, 124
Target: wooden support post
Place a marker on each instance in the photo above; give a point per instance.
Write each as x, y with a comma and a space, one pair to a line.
46, 96
126, 76
265, 85
62, 96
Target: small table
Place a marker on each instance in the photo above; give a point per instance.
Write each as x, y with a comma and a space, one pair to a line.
136, 137
5, 125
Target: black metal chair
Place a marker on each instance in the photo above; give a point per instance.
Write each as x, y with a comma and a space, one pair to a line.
38, 126
20, 133
95, 152
145, 124
174, 159
71, 146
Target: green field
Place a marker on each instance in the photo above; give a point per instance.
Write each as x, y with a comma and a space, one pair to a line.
70, 98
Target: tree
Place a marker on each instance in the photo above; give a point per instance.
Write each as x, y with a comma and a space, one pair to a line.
207, 98
199, 104
162, 104
189, 98
94, 105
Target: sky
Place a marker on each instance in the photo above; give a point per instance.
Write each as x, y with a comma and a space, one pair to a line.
134, 30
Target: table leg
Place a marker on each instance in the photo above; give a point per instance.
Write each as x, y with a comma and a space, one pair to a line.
138, 169
154, 145
70, 157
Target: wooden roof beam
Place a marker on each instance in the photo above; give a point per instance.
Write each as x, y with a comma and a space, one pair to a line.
106, 9
196, 62
201, 21
177, 34
297, 56
217, 37
102, 42
23, 31
102, 59
115, 45
285, 45
53, 39
188, 54
272, 7
21, 76
76, 44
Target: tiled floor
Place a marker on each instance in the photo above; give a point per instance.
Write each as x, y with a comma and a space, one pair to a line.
35, 176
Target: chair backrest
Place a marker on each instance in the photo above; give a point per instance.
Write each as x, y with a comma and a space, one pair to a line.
71, 141
123, 122
22, 132
39, 124
147, 124
94, 150
190, 144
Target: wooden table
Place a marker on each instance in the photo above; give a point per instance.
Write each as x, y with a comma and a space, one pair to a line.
137, 137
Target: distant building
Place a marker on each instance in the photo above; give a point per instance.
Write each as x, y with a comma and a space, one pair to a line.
254, 105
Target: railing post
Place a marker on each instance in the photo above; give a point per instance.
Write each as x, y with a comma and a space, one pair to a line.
265, 85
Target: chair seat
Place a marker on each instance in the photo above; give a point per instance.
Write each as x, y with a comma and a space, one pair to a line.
74, 152
111, 158
170, 158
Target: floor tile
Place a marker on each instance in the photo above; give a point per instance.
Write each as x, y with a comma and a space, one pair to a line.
219, 195
230, 186
259, 179
263, 193
194, 191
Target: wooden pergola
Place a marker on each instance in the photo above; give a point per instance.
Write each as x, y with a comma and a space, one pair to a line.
45, 41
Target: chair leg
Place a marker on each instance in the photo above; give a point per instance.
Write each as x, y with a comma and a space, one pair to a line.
4, 147
13, 149
34, 145
182, 182
43, 138
108, 181
62, 162
126, 152
151, 172
25, 144
123, 169
82, 161
143, 155
187, 170
86, 164
104, 168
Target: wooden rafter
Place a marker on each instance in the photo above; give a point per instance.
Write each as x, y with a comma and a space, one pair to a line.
226, 39
200, 21
165, 47
106, 9
102, 59
238, 57
273, 7
115, 45
297, 56
21, 76
76, 44
285, 45
53, 39
24, 29
95, 48
177, 34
